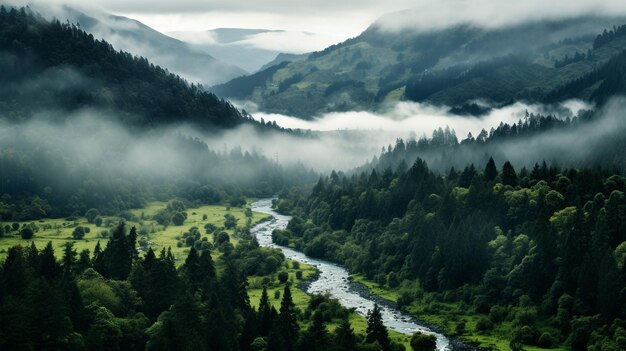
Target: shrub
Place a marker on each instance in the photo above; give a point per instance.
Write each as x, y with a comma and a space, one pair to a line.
230, 221
276, 294
423, 342
526, 335
204, 217
546, 340
484, 324
497, 314
78, 233
295, 265
97, 221
178, 218
283, 276
91, 215
299, 275
27, 233
210, 228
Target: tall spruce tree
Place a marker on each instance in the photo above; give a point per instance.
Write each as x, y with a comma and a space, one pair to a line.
376, 330
491, 171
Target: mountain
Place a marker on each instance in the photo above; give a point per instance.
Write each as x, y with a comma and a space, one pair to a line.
253, 49
282, 57
452, 66
188, 61
49, 67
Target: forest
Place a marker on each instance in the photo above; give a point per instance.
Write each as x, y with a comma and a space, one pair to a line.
541, 251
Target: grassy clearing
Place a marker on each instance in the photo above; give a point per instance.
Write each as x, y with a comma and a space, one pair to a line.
448, 315
59, 231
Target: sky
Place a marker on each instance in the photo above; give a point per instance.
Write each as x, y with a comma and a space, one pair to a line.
342, 19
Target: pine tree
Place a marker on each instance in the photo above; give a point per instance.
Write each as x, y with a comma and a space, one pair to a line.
345, 340
491, 172
287, 324
266, 317
69, 258
509, 177
376, 330
48, 266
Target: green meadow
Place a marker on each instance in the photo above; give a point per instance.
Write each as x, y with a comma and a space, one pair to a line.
59, 231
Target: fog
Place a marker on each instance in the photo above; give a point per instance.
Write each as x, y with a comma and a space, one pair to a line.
341, 141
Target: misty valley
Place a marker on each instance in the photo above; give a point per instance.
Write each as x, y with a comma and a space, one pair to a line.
235, 176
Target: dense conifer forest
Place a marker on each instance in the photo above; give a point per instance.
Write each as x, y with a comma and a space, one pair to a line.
541, 250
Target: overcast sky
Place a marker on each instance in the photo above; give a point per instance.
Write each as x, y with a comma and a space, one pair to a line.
342, 19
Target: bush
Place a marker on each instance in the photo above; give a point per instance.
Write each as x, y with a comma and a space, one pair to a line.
546, 340
97, 221
484, 324
497, 314
210, 228
295, 265
221, 238
526, 335
276, 294
299, 275
460, 328
78, 233
204, 217
27, 233
283, 276
178, 218
91, 215
230, 221
423, 342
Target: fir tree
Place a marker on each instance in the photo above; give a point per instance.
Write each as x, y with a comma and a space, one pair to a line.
376, 330
491, 172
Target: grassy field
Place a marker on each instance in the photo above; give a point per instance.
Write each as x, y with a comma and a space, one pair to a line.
59, 231
448, 315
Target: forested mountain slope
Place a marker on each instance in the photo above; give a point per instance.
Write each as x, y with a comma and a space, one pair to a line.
53, 67
451, 66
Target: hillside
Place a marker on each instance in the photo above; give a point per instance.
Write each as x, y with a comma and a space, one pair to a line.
449, 67
188, 61
48, 66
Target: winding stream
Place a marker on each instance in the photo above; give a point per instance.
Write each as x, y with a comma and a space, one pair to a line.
334, 279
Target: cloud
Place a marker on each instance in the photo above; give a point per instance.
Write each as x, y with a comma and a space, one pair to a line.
430, 15
418, 118
288, 42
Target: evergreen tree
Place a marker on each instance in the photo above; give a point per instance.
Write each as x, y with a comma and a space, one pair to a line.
69, 258
345, 340
266, 314
286, 327
376, 330
491, 172
509, 177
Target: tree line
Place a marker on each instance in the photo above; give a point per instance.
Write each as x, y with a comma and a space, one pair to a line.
543, 250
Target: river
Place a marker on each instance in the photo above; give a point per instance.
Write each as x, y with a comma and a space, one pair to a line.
334, 279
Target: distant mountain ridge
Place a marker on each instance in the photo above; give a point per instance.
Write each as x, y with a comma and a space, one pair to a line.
454, 66
251, 49
130, 35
